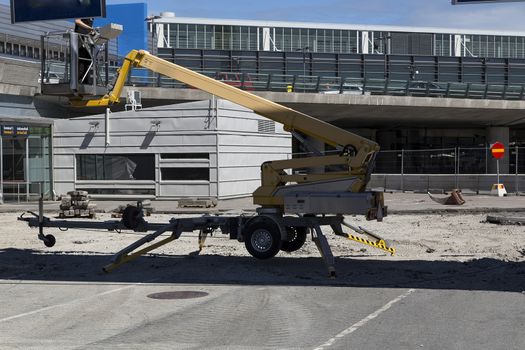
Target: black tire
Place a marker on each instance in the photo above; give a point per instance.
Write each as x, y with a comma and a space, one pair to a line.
49, 241
296, 239
131, 217
262, 238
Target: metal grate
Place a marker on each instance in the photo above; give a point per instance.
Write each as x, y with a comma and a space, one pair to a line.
266, 126
412, 44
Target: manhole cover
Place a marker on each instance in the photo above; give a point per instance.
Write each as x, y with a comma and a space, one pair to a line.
178, 295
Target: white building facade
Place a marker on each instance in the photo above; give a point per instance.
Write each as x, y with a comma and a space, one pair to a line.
205, 149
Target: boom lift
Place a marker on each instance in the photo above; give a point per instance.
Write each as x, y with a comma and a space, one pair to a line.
292, 203
323, 193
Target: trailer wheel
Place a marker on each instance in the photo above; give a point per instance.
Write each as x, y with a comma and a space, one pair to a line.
262, 238
296, 239
131, 217
49, 241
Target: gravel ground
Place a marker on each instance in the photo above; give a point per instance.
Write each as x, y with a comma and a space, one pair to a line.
455, 283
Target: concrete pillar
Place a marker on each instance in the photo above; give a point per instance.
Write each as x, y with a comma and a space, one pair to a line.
458, 46
501, 134
266, 39
364, 42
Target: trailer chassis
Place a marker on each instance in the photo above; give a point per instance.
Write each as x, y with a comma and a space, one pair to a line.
264, 233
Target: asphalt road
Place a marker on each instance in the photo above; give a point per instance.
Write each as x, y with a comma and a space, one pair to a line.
62, 301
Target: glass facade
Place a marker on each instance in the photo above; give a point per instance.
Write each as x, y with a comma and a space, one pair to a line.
25, 163
329, 40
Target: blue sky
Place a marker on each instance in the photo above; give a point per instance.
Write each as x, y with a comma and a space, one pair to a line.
439, 13
433, 13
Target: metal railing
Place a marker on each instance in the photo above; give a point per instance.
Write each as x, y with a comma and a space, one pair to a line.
323, 84
470, 168
17, 190
457, 160
338, 85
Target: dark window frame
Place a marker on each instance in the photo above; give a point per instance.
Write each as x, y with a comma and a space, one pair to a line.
99, 167
185, 174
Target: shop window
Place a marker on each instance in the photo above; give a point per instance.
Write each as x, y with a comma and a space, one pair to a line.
185, 174
115, 167
185, 156
119, 191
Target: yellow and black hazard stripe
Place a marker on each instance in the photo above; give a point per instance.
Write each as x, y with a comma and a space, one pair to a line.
380, 244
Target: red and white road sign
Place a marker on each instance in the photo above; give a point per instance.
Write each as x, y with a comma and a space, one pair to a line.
497, 150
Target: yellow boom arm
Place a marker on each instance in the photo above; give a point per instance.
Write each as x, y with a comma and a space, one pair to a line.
359, 161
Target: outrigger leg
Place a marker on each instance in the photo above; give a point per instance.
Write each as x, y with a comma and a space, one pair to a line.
124, 255
206, 225
326, 253
203, 234
379, 243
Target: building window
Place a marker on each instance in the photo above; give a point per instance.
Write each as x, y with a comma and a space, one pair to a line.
227, 39
209, 41
185, 156
115, 167
245, 38
312, 40
218, 37
192, 36
185, 174
118, 191
236, 38
182, 36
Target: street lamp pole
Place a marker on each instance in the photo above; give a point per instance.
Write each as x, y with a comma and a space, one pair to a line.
384, 43
304, 50
413, 71
385, 52
153, 28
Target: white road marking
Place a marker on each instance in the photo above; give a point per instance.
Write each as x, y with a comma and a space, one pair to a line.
365, 320
71, 302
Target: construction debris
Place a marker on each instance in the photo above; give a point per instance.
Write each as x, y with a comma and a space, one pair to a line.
197, 203
506, 220
455, 198
77, 204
